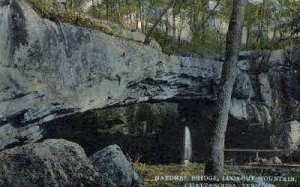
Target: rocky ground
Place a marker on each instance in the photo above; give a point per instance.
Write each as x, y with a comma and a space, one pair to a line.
176, 175
57, 162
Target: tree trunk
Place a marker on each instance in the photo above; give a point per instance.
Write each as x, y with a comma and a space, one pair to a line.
142, 16
215, 160
107, 10
174, 23
137, 17
248, 36
149, 33
211, 13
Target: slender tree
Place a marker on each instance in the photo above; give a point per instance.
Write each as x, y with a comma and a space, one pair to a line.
149, 33
215, 160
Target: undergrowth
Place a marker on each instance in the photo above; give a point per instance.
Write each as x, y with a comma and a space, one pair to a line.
150, 172
70, 15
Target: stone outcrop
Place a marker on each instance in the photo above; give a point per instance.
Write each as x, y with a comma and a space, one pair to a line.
49, 163
287, 135
112, 163
293, 134
49, 70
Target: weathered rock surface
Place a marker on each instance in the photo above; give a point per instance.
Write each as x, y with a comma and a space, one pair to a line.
49, 70
294, 134
112, 163
288, 135
50, 163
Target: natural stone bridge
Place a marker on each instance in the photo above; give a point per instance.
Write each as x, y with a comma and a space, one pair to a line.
49, 70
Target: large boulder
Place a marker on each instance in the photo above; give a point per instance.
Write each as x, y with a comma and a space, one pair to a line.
293, 134
287, 136
112, 163
53, 162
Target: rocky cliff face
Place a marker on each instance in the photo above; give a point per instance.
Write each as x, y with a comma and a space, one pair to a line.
267, 93
50, 70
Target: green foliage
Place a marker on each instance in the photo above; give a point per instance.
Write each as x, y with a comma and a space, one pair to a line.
167, 43
145, 118
70, 15
269, 25
115, 10
207, 44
